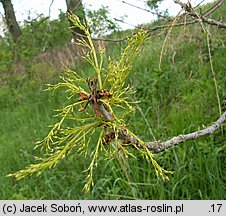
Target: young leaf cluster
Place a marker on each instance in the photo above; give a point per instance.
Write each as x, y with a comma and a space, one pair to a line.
90, 124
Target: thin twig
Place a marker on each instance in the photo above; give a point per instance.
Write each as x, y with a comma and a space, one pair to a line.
144, 9
102, 39
213, 73
120, 20
189, 9
165, 40
213, 8
150, 30
50, 7
147, 123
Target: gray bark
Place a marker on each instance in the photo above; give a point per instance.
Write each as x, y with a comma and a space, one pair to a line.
190, 10
11, 22
159, 145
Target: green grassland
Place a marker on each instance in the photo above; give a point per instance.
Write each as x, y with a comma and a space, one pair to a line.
180, 97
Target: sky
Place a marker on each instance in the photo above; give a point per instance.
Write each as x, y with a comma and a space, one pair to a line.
118, 9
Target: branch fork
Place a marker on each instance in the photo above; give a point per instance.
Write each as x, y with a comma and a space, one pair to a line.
203, 17
101, 110
94, 98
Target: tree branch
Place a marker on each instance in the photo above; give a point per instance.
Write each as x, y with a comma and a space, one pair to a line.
213, 8
188, 8
150, 30
219, 24
159, 146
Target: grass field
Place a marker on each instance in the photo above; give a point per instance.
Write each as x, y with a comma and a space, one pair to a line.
179, 98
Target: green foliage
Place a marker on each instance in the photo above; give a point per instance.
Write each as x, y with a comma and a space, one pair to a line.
100, 23
178, 99
5, 56
41, 34
154, 4
89, 131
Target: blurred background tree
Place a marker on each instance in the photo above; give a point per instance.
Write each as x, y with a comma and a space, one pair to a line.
76, 7
100, 22
154, 5
11, 21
